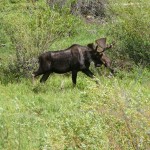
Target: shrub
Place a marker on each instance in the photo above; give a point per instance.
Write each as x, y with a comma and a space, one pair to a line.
32, 28
80, 7
130, 29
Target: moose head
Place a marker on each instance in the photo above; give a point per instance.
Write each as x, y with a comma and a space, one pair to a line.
100, 48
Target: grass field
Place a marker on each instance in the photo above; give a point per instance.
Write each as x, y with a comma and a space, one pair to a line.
112, 115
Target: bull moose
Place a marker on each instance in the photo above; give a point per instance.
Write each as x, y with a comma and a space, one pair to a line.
75, 58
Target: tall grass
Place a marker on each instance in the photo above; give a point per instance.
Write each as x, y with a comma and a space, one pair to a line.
113, 115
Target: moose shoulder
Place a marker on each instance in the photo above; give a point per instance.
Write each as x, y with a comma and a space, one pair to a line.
75, 58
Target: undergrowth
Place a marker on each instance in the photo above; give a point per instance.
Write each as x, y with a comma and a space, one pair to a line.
111, 115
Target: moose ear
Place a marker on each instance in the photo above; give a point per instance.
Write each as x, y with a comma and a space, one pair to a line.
92, 46
101, 42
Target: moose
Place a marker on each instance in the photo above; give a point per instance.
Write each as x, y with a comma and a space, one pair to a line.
74, 59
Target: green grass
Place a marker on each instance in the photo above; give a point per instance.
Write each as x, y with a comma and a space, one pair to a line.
111, 115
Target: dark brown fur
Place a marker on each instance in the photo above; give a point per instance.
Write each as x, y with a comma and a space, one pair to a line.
75, 58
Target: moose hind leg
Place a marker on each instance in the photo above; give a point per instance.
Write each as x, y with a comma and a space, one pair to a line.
43, 69
37, 73
44, 77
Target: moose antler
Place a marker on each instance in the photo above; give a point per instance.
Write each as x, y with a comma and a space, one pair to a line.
111, 45
102, 46
101, 42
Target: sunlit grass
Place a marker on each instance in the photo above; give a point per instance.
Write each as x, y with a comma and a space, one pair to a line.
114, 114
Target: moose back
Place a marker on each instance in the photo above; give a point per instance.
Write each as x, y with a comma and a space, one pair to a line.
73, 59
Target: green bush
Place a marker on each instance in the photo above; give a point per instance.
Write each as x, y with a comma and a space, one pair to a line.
80, 7
130, 29
32, 28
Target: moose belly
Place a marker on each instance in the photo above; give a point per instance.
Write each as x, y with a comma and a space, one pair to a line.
61, 67
61, 71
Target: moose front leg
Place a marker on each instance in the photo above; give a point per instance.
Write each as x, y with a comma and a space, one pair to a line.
74, 76
91, 75
107, 64
88, 73
112, 71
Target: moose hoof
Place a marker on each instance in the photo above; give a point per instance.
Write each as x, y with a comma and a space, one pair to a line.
32, 78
